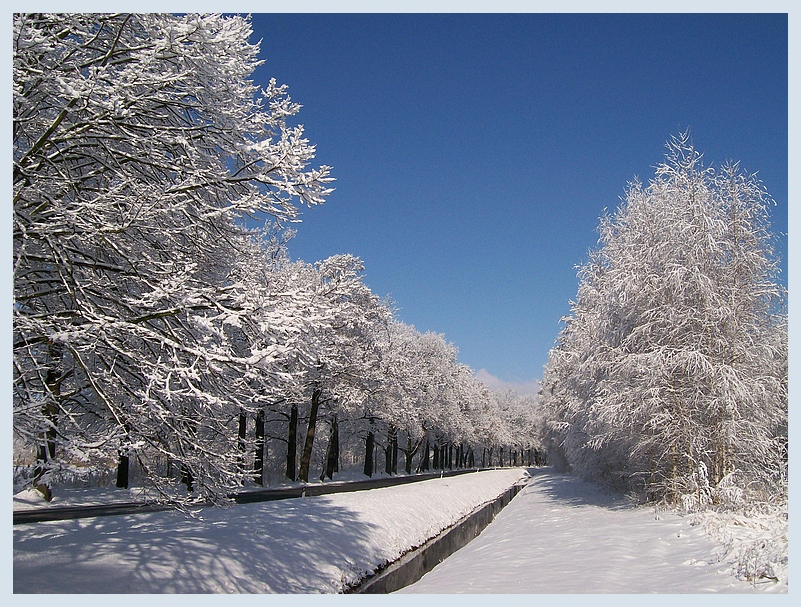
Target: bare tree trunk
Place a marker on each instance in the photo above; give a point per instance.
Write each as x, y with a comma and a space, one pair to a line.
408, 454
368, 454
388, 452
292, 443
186, 478
258, 458
335, 462
305, 458
123, 464
394, 450
332, 452
243, 424
46, 449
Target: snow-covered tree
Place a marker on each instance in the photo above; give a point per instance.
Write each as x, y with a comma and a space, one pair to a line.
346, 354
150, 325
671, 372
139, 144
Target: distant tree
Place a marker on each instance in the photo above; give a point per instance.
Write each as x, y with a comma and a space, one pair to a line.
671, 372
139, 144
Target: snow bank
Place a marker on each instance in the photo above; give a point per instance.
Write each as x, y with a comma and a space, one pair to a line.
311, 545
755, 544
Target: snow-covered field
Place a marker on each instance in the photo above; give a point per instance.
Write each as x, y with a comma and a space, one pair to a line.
310, 545
562, 535
559, 535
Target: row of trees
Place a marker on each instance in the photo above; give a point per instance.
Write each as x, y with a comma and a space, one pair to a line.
151, 326
670, 376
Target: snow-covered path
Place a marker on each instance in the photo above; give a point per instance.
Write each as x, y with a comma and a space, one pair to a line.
562, 535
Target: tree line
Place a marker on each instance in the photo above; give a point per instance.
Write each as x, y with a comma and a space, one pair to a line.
155, 329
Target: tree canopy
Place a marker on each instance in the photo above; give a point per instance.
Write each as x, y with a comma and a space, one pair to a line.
670, 376
151, 324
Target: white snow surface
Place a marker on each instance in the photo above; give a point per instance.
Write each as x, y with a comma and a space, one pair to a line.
307, 545
563, 535
559, 535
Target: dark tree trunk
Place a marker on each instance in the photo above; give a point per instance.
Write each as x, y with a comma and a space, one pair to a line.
368, 454
186, 478
408, 454
243, 424
426, 457
305, 457
122, 471
436, 456
292, 443
391, 451
123, 465
258, 457
394, 451
332, 453
501, 457
46, 449
335, 462
450, 456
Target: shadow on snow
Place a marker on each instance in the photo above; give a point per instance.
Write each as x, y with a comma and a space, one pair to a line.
269, 547
572, 491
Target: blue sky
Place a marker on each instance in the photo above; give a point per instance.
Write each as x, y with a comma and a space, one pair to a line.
475, 153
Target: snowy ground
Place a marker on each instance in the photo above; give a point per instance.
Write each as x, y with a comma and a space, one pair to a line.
310, 545
559, 535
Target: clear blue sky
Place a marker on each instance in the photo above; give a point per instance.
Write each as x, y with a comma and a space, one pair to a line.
474, 154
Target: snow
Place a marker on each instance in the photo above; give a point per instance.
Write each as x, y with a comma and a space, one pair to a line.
310, 545
563, 535
31, 499
559, 535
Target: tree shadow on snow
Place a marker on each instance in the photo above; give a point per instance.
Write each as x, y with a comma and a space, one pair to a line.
572, 491
292, 546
